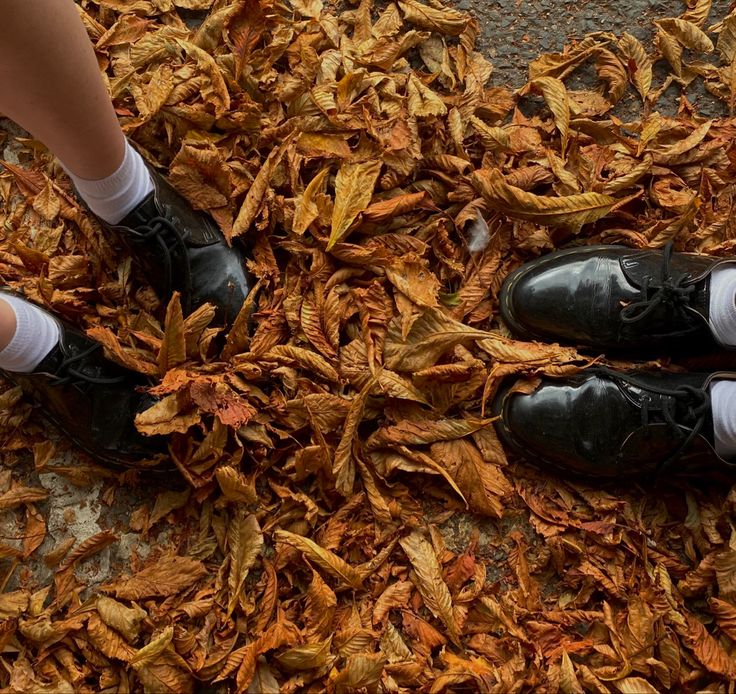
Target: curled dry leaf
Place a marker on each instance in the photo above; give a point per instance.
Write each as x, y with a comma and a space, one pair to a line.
572, 211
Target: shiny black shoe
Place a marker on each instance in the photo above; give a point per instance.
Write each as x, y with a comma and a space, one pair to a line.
184, 250
611, 297
607, 424
92, 400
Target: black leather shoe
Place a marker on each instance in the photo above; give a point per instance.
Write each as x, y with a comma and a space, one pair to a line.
184, 250
92, 400
610, 297
609, 424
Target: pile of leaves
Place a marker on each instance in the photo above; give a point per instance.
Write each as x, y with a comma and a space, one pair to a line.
357, 525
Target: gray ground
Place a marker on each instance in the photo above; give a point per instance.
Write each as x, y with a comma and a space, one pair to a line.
513, 32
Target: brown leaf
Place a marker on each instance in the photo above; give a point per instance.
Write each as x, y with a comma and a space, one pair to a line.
395, 596
167, 576
482, 484
21, 495
706, 649
429, 582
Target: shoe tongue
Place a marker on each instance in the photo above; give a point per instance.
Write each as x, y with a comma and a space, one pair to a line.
141, 214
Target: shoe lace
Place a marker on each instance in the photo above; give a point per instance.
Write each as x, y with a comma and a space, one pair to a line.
67, 373
686, 408
161, 232
671, 291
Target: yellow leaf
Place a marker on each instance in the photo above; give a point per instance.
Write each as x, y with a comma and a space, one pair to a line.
415, 280
572, 211
344, 466
362, 672
236, 486
13, 604
245, 542
304, 359
492, 137
306, 209
698, 13
423, 101
167, 416
635, 685
173, 347
569, 683
353, 192
431, 335
726, 44
670, 153
254, 197
428, 579
446, 21
555, 95
326, 560
215, 92
308, 657
47, 203
152, 650
124, 619
622, 182
639, 63
319, 608
687, 33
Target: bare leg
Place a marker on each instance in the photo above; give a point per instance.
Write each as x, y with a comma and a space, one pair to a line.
50, 85
7, 324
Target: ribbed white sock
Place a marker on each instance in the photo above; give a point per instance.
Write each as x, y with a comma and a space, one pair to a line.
36, 334
722, 307
112, 198
723, 405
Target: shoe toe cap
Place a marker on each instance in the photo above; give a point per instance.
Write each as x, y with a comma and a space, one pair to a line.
220, 279
569, 296
577, 425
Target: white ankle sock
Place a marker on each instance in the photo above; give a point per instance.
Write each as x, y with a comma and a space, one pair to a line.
112, 198
723, 406
722, 307
36, 334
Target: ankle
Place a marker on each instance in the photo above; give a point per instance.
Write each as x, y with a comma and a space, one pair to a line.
723, 406
113, 197
36, 333
722, 305
7, 324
